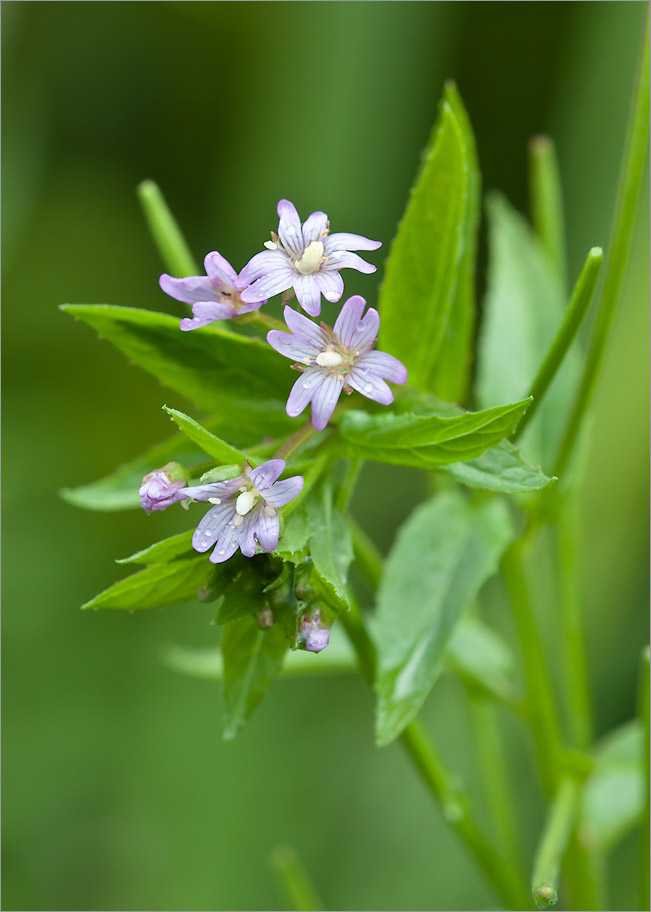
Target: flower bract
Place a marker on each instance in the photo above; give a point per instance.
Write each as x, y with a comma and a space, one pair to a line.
306, 258
332, 360
244, 511
215, 296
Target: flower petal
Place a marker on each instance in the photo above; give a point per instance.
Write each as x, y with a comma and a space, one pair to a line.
289, 228
325, 399
383, 365
342, 241
305, 328
265, 475
227, 544
221, 489
261, 264
314, 228
246, 531
366, 331
343, 259
211, 525
350, 315
206, 312
189, 290
267, 531
282, 492
370, 385
293, 346
268, 285
220, 272
303, 390
330, 284
247, 308
308, 293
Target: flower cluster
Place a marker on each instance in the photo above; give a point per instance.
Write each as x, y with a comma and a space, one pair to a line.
305, 260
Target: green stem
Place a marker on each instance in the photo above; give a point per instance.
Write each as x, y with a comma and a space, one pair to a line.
547, 201
296, 441
574, 315
492, 765
628, 194
264, 320
540, 698
167, 235
554, 841
367, 555
348, 482
643, 711
453, 802
576, 686
294, 881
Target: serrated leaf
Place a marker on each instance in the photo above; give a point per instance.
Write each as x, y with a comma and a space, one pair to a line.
331, 546
482, 658
163, 551
613, 796
428, 440
293, 545
522, 312
452, 369
157, 586
502, 469
238, 378
252, 659
442, 556
220, 450
423, 266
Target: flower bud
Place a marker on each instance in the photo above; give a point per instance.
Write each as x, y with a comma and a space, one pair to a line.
316, 637
160, 488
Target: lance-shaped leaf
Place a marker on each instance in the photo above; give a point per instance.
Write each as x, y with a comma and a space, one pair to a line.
612, 800
252, 658
424, 263
220, 450
442, 556
501, 469
428, 440
522, 312
238, 378
163, 551
331, 546
157, 586
478, 655
452, 369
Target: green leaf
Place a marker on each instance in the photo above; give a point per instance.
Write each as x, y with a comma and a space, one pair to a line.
331, 546
166, 550
614, 794
252, 659
501, 469
522, 312
428, 440
157, 586
293, 545
452, 370
442, 556
238, 378
119, 490
482, 658
213, 446
423, 268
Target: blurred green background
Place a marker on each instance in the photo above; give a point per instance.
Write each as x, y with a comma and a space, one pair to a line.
118, 790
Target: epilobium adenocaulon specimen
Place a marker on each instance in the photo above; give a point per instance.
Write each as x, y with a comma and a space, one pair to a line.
315, 636
306, 258
244, 511
160, 488
332, 360
215, 296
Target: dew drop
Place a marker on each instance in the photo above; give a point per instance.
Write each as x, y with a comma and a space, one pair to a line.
222, 551
361, 324
368, 388
306, 384
289, 230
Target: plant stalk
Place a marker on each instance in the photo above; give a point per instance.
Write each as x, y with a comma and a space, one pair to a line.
554, 841
294, 881
643, 712
165, 231
547, 201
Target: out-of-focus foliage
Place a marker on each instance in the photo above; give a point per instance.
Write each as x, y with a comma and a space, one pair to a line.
119, 792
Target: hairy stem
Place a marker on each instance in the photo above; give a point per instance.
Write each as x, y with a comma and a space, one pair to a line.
296, 441
294, 881
165, 231
628, 194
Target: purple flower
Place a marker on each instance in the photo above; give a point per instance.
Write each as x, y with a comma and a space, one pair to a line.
160, 489
306, 258
315, 636
215, 296
332, 360
244, 512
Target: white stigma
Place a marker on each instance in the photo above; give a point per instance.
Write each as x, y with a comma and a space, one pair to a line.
245, 503
270, 245
311, 259
214, 500
329, 359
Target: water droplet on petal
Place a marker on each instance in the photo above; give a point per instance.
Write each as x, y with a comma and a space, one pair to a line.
361, 324
306, 384
368, 388
222, 551
289, 230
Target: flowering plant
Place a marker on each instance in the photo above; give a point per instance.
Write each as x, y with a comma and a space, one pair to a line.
279, 529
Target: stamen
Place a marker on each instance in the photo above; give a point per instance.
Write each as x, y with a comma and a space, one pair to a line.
329, 358
214, 500
245, 502
270, 245
311, 260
